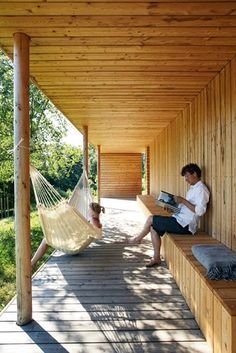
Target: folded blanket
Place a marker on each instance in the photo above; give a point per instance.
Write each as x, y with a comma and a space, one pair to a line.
219, 261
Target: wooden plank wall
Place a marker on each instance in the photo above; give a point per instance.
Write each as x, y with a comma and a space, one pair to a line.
205, 133
121, 174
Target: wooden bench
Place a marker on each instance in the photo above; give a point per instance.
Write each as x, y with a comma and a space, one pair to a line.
213, 303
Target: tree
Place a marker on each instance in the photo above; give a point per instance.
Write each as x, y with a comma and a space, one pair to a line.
93, 168
66, 167
62, 164
6, 120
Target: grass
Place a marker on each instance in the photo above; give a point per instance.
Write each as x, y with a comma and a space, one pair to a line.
7, 255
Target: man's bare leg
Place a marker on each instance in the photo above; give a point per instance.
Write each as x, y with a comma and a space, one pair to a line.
39, 252
156, 243
146, 229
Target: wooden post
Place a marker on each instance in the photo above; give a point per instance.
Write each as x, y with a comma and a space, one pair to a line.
99, 171
85, 148
21, 178
148, 169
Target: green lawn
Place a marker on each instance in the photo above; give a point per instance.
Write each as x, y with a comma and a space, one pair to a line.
7, 255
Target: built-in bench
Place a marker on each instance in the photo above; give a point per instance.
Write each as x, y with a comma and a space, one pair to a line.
213, 303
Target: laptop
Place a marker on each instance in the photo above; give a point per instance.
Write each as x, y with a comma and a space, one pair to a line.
166, 200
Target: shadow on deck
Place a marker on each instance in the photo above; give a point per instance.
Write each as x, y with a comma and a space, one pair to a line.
105, 300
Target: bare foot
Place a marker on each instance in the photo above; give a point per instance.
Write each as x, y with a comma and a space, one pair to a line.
153, 262
134, 241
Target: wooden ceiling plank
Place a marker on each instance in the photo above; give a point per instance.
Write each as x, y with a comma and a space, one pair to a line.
130, 1
69, 44
197, 68
131, 49
166, 115
129, 97
117, 32
27, 21
122, 41
156, 76
106, 63
115, 93
74, 64
118, 8
195, 41
93, 57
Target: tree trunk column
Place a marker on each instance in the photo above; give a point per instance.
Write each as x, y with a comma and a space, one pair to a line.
85, 148
148, 169
99, 171
22, 178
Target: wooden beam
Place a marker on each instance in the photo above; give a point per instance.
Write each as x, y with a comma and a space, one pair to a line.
22, 178
85, 148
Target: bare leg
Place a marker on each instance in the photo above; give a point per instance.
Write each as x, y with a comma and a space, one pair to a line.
39, 252
156, 243
146, 229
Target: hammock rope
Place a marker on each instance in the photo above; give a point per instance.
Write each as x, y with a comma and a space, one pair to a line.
64, 222
44, 192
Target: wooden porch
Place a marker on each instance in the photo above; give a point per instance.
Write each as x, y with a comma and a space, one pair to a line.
105, 300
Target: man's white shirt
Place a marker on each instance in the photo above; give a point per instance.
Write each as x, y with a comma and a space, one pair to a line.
198, 195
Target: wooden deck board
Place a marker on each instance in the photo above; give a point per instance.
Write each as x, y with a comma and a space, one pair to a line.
104, 300
152, 347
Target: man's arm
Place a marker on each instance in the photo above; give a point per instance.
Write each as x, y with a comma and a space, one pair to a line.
180, 199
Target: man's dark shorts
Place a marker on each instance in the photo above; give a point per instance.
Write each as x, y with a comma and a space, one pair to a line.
162, 224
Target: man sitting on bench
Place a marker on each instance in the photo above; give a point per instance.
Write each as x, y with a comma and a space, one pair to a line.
183, 222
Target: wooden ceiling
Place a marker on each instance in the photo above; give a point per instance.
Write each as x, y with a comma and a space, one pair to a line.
124, 68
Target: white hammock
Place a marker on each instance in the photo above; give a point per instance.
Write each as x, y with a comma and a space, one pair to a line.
64, 223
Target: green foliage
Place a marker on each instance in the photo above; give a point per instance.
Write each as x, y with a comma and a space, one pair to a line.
6, 120
66, 166
60, 163
7, 255
7, 261
93, 169
47, 125
7, 251
144, 173
47, 128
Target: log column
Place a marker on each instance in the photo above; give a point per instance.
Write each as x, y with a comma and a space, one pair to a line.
22, 178
99, 171
148, 169
85, 148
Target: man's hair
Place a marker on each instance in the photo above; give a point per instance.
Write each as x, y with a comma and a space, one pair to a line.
191, 168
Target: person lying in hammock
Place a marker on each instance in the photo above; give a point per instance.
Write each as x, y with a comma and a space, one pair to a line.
94, 212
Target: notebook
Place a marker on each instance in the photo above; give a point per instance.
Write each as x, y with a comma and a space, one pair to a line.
165, 199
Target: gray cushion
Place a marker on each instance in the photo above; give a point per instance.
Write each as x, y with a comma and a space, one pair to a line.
219, 261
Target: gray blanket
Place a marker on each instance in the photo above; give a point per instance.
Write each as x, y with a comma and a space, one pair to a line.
219, 261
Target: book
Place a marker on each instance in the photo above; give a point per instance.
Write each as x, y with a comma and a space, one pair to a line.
165, 199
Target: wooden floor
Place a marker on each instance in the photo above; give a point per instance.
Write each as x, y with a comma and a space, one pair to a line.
105, 300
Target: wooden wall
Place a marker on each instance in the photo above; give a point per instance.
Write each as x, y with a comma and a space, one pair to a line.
121, 174
205, 133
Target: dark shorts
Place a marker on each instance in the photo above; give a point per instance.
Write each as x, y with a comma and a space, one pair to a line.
162, 224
